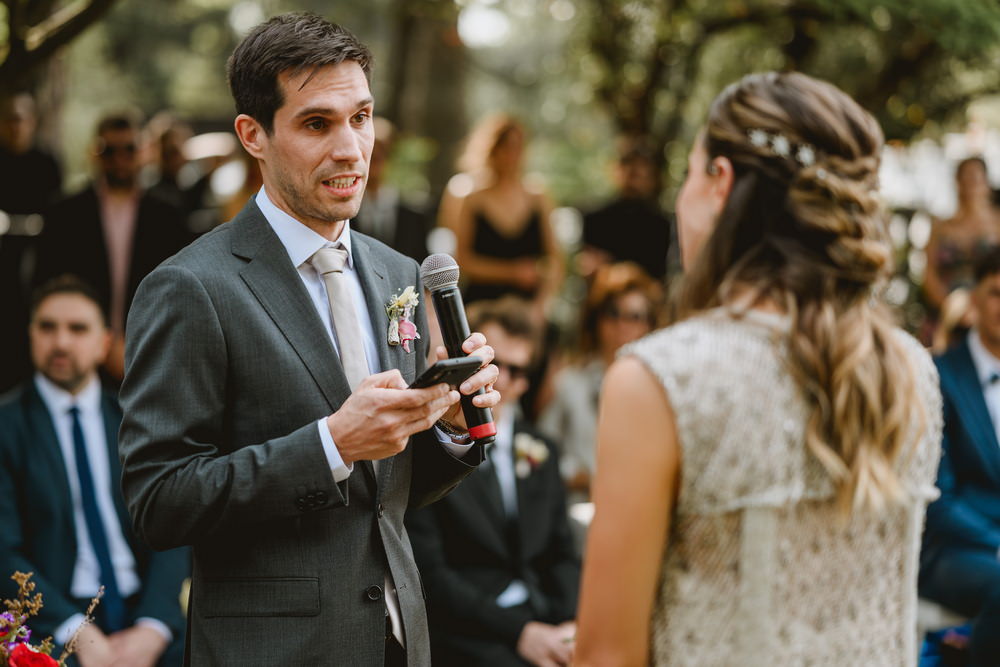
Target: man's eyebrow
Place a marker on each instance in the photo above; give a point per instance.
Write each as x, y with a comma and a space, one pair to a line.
327, 111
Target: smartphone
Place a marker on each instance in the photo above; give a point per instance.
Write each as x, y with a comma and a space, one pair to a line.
452, 372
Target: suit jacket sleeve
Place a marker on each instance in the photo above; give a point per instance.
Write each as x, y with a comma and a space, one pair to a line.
180, 483
450, 595
13, 557
951, 519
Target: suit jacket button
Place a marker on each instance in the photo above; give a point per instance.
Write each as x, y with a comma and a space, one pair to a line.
301, 504
381, 510
321, 497
374, 593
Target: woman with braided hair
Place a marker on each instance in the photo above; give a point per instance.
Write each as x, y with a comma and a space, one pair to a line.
764, 463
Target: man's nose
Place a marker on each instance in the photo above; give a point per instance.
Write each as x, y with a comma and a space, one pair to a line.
345, 144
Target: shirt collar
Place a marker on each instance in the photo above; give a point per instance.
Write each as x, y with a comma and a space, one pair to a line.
986, 364
299, 241
60, 401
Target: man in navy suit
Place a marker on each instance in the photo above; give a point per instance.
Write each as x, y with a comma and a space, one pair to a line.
960, 561
64, 516
497, 554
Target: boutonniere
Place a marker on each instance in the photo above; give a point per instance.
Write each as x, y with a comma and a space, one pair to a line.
400, 311
529, 453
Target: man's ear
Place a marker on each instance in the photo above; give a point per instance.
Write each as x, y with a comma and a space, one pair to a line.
251, 135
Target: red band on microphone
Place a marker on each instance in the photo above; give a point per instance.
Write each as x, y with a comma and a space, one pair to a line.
483, 431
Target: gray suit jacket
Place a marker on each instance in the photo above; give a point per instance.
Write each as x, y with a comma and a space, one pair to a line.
228, 367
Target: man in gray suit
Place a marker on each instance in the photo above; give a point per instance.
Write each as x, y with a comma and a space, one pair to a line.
267, 420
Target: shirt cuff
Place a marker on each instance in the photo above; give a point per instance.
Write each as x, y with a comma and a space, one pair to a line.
456, 449
340, 470
65, 631
156, 624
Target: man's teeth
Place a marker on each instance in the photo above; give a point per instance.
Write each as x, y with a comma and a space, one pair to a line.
340, 182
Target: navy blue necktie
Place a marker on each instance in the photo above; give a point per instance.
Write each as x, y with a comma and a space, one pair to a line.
112, 607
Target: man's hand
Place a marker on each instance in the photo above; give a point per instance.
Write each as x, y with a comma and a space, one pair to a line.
138, 646
93, 648
545, 645
378, 418
483, 379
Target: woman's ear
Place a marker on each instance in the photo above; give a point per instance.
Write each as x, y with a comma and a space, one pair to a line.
722, 174
251, 135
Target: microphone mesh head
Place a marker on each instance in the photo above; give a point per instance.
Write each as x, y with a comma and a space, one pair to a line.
439, 271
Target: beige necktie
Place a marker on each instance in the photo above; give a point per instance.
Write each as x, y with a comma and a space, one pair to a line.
330, 263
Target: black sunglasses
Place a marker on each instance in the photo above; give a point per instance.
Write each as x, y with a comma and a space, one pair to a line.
516, 372
107, 150
613, 313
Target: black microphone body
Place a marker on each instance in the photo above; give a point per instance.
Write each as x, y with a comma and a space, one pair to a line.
454, 331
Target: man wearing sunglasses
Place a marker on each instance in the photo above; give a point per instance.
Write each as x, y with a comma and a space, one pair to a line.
497, 555
112, 233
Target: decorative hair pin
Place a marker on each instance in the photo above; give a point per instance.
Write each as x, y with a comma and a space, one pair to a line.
779, 145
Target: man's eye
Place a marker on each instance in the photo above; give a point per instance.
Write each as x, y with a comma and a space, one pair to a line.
316, 124
361, 117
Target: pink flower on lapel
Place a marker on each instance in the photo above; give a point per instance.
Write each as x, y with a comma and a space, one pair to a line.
400, 309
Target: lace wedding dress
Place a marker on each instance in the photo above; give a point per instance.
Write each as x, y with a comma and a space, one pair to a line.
757, 570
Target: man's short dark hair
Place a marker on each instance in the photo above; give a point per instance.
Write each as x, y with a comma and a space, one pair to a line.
290, 42
68, 284
119, 120
510, 313
987, 265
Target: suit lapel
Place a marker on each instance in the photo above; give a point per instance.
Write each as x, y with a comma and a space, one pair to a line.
978, 422
40, 424
277, 286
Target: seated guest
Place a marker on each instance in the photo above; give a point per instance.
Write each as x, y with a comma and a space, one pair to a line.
64, 517
959, 563
112, 233
496, 555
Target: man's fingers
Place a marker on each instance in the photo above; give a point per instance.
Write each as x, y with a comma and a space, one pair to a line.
475, 341
481, 378
488, 400
390, 379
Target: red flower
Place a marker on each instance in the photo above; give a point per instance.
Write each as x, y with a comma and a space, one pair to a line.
23, 656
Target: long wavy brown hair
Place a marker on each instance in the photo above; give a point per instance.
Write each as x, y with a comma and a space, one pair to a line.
811, 237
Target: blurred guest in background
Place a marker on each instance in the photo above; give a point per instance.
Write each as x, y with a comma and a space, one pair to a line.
63, 513
497, 555
622, 305
383, 215
252, 182
611, 232
956, 243
764, 464
960, 562
112, 233
505, 243
183, 183
31, 181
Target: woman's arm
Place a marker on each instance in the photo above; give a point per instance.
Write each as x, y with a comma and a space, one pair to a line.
552, 265
934, 287
638, 471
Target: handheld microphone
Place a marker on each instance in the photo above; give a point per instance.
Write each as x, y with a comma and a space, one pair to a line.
439, 273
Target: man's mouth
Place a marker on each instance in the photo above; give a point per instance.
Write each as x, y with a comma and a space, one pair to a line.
342, 186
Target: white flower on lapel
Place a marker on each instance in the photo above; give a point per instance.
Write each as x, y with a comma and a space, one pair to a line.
529, 454
400, 309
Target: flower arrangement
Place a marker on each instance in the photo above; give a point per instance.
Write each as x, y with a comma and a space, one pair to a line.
400, 309
529, 453
15, 647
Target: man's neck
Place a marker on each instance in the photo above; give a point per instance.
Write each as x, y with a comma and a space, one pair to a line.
331, 231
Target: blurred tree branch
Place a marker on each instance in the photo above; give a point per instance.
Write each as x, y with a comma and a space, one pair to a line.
36, 29
650, 55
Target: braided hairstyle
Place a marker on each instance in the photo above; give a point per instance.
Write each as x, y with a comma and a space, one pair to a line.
806, 230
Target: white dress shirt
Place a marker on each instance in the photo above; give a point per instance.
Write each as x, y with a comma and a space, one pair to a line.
87, 572
987, 366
